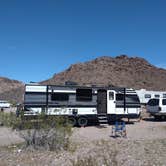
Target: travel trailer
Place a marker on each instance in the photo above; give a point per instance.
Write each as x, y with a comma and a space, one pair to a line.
81, 104
157, 108
4, 104
145, 95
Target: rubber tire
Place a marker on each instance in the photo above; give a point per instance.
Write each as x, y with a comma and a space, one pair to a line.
157, 118
162, 117
82, 121
72, 121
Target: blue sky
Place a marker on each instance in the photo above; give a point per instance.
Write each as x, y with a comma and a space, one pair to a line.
41, 37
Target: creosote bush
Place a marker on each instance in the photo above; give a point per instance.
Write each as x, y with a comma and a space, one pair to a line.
43, 132
46, 132
9, 120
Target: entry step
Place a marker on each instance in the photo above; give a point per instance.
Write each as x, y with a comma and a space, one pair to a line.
102, 118
103, 121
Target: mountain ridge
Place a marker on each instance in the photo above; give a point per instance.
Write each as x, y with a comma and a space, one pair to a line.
123, 71
11, 90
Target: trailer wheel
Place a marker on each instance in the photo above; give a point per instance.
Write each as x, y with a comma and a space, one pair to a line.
72, 121
163, 117
82, 121
157, 117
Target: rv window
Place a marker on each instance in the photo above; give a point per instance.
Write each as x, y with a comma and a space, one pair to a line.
84, 94
164, 95
111, 95
119, 97
59, 96
35, 97
132, 99
153, 102
164, 102
147, 96
156, 96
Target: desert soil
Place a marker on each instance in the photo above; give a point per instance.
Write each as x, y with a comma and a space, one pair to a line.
145, 145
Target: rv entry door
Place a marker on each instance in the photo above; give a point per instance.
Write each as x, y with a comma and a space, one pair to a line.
111, 102
101, 101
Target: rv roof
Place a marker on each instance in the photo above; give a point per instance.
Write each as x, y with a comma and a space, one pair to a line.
78, 86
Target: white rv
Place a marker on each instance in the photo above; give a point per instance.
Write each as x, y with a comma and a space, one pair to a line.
81, 104
4, 104
157, 108
145, 95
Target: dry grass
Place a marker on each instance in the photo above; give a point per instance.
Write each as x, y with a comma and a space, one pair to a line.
115, 152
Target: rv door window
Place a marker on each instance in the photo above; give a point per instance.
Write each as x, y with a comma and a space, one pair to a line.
147, 96
59, 97
111, 95
153, 102
164, 95
164, 102
84, 94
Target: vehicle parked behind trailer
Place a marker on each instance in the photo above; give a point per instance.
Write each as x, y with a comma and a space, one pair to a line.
145, 95
157, 108
4, 104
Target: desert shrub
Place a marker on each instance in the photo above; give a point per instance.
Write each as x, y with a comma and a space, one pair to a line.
103, 153
87, 161
43, 132
46, 132
9, 120
96, 160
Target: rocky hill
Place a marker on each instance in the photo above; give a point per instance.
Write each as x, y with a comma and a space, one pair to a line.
120, 71
11, 90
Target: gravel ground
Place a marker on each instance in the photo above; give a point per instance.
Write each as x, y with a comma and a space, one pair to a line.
144, 130
145, 145
9, 137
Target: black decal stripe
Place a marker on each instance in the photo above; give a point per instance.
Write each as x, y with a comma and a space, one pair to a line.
129, 106
63, 106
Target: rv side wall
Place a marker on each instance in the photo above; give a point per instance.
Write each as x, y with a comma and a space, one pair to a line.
74, 101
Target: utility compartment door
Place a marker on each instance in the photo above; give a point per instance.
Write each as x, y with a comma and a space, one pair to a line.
101, 101
111, 102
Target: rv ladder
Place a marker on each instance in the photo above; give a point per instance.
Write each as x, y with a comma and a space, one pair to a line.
102, 119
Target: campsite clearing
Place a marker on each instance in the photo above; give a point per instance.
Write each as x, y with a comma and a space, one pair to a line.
145, 145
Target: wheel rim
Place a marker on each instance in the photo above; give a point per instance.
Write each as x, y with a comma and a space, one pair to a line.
82, 122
